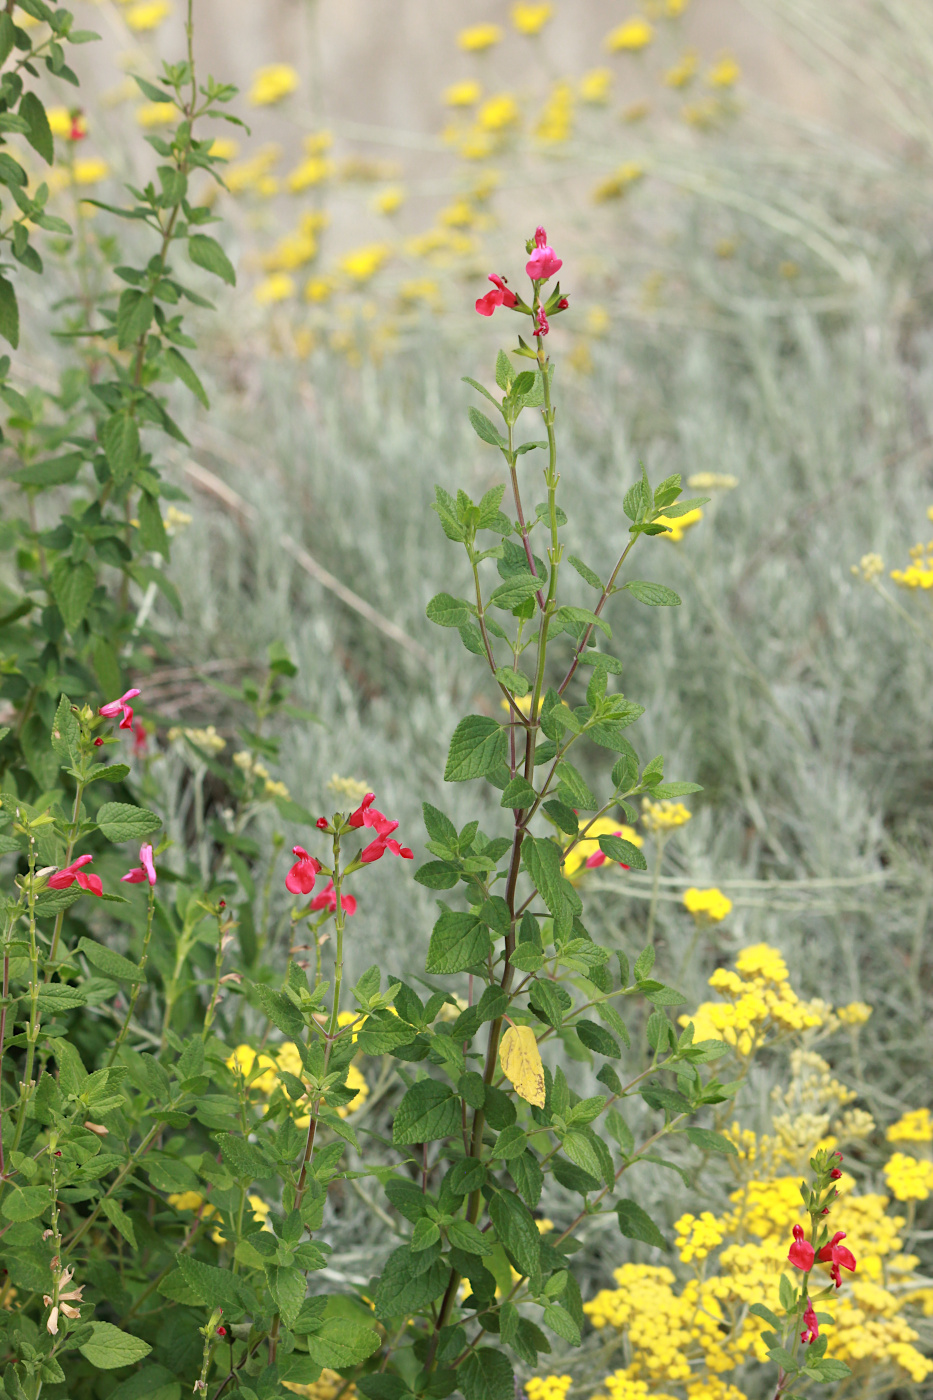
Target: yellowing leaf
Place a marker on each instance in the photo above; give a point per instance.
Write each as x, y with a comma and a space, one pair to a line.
521, 1063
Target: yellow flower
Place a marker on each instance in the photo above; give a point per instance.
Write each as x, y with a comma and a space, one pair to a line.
420, 289
90, 170
224, 148
635, 33
294, 250
547, 1387
556, 121
253, 173
664, 815
762, 961
712, 481
595, 85
278, 287
498, 113
317, 142
677, 525
310, 172
363, 263
271, 83
588, 845
318, 289
389, 201
328, 1386
913, 576
915, 1126
60, 121
460, 214
276, 789
156, 114
149, 14
724, 73
186, 1200
352, 788
908, 1179
698, 1236
856, 1014
531, 19
245, 1060
707, 906
479, 37
463, 94
616, 185
175, 520
869, 567
682, 72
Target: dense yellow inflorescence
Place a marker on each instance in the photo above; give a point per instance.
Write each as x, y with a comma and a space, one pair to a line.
689, 1338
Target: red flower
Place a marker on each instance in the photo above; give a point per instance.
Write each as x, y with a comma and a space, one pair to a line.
322, 823
63, 879
541, 322
543, 263
801, 1251
115, 707
811, 1328
144, 871
300, 879
367, 815
98, 742
563, 304
377, 849
500, 297
835, 1174
327, 899
837, 1256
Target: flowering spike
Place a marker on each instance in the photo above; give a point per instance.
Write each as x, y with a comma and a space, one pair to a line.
121, 706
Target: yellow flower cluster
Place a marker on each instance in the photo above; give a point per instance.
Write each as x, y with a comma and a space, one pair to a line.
697, 1236
760, 1003
908, 1178
272, 83
616, 185
207, 739
663, 816
919, 572
855, 1014
328, 1386
707, 906
869, 567
636, 33
915, 1126
547, 1387
556, 121
479, 37
531, 19
148, 14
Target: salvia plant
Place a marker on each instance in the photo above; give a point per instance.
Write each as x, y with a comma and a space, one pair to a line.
164, 1188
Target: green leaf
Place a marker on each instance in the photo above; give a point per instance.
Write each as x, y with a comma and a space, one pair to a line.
636, 1224
9, 313
766, 1315
57, 997
485, 429
560, 1321
280, 1010
654, 594
245, 1160
518, 793
121, 445
119, 1219
8, 38
586, 572
121, 821
134, 316
72, 587
682, 507
108, 962
582, 1153
26, 1203
288, 1287
515, 591
830, 1370
513, 680
458, 941
463, 1235
207, 253
567, 614
341, 1342
542, 860
674, 789
108, 773
151, 525
39, 133
516, 1231
597, 1039
486, 1375
448, 611
617, 848
180, 366
478, 745
110, 1348
505, 372
709, 1141
65, 731
576, 786
437, 875
428, 1112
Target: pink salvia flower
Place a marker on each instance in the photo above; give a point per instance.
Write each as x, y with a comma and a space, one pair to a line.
122, 705
801, 1253
327, 899
837, 1255
811, 1328
367, 815
541, 322
501, 296
63, 879
543, 262
144, 871
300, 879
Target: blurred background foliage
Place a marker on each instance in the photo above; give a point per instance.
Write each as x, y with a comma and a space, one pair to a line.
741, 196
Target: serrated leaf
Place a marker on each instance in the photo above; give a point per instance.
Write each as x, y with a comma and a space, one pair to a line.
108, 962
709, 1141
516, 590
9, 313
109, 1347
505, 372
183, 370
485, 429
120, 821
636, 1224
72, 586
428, 1112
458, 941
617, 848
586, 572
518, 792
521, 1064
513, 680
340, 1343
478, 745
654, 594
38, 132
134, 316
448, 611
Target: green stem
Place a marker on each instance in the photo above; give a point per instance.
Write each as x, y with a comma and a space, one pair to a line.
136, 987
69, 849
